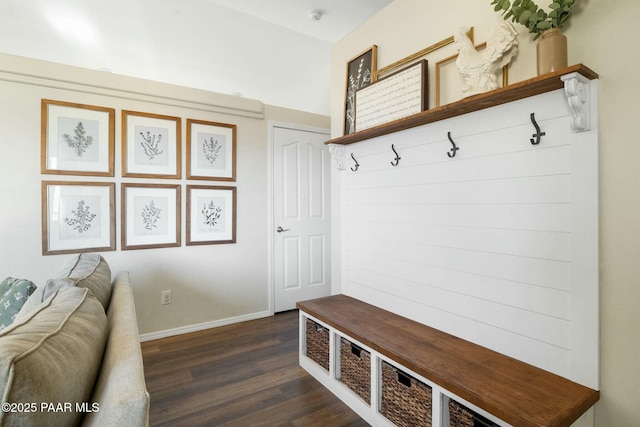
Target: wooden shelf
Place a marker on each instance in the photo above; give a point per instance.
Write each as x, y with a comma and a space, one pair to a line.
535, 86
515, 392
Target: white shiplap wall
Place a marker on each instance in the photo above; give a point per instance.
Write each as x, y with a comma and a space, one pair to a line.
497, 245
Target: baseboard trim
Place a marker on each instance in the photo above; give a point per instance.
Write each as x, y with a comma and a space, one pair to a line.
202, 326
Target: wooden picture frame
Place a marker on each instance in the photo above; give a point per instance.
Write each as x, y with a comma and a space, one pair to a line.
211, 150
78, 217
150, 216
211, 215
76, 139
361, 72
151, 145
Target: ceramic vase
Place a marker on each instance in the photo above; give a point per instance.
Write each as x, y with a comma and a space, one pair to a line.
551, 51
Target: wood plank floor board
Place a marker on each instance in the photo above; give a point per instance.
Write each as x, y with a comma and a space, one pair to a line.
245, 374
203, 354
201, 396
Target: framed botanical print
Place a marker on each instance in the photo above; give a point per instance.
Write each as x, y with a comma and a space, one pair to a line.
211, 150
76, 139
78, 217
150, 216
151, 145
211, 215
361, 71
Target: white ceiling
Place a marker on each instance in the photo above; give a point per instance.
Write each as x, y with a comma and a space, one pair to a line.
339, 17
268, 50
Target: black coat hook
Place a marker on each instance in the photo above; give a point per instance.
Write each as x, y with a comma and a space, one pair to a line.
355, 168
397, 159
538, 134
452, 153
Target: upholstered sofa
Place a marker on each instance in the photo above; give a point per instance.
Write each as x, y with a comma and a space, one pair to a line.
71, 355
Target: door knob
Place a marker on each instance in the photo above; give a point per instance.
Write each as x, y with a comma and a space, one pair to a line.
280, 229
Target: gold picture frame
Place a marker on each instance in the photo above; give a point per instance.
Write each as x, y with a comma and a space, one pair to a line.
424, 52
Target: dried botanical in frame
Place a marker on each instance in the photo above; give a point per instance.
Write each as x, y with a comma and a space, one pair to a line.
80, 141
360, 73
77, 217
81, 218
151, 145
150, 216
77, 139
211, 214
211, 150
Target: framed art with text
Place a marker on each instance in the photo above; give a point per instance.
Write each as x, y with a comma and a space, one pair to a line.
150, 216
76, 139
211, 215
393, 97
211, 150
151, 145
78, 217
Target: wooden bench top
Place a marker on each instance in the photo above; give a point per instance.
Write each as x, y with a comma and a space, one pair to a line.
511, 390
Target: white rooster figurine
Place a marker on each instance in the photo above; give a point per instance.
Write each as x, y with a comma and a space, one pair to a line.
479, 69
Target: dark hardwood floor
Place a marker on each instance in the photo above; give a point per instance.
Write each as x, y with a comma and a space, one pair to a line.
246, 374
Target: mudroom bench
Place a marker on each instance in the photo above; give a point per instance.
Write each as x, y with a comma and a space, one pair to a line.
392, 370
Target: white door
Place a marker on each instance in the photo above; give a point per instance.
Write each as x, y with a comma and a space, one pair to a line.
301, 216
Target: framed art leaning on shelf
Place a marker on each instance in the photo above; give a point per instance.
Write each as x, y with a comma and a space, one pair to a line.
361, 72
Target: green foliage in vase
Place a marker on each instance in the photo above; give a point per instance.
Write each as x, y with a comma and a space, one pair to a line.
80, 141
527, 13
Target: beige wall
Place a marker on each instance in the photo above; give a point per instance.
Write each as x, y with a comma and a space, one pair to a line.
211, 284
602, 35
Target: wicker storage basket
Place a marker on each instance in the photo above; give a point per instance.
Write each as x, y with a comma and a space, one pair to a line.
405, 400
317, 337
355, 369
461, 416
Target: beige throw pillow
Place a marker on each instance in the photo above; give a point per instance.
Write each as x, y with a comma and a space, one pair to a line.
90, 271
42, 294
52, 356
